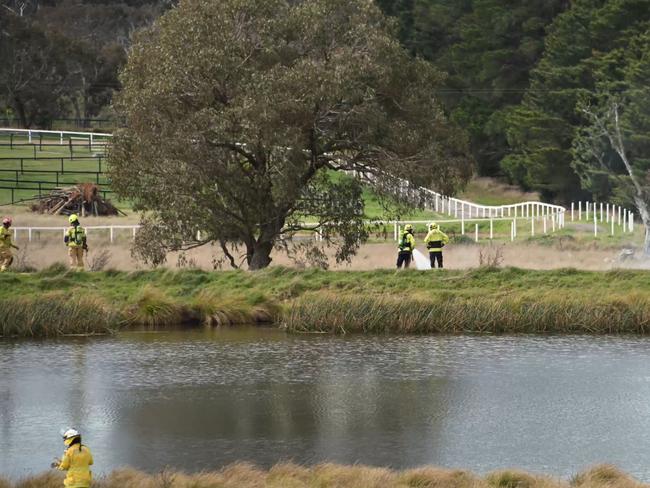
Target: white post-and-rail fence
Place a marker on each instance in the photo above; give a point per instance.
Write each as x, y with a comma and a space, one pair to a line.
603, 213
21, 232
64, 136
552, 216
111, 231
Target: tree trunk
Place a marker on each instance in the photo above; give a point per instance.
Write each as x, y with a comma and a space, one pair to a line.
259, 256
19, 108
644, 213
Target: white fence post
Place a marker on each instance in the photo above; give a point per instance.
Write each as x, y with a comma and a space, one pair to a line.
595, 226
601, 211
491, 229
532, 227
572, 206
619, 215
476, 232
580, 210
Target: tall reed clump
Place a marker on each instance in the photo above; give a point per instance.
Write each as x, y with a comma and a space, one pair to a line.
154, 308
450, 314
287, 475
224, 309
55, 314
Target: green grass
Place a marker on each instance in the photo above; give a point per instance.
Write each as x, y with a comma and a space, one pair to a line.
483, 300
10, 166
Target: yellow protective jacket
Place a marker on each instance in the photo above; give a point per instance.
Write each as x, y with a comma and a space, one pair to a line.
5, 238
406, 242
435, 239
76, 461
75, 236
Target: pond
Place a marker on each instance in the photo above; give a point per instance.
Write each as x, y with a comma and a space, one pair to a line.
202, 399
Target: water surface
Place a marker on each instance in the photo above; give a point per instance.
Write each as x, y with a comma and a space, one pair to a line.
200, 400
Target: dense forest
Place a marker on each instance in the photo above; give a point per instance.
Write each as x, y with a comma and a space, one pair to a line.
531, 81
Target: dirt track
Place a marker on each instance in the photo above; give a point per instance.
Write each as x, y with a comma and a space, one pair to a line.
370, 256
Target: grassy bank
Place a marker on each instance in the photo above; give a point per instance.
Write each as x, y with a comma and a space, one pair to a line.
56, 301
336, 476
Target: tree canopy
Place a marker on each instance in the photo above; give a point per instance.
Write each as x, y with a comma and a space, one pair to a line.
587, 50
240, 113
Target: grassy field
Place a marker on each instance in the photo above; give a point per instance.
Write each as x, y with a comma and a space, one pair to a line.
23, 166
244, 475
483, 300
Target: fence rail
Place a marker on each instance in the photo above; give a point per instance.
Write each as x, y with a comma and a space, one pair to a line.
64, 136
38, 187
461, 210
89, 229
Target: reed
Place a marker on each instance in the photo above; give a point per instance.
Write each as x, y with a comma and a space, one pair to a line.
55, 314
288, 475
218, 308
483, 300
448, 314
154, 308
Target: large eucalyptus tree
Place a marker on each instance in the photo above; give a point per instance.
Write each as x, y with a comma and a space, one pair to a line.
240, 113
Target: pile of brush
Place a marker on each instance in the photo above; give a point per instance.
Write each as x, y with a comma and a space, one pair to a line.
82, 199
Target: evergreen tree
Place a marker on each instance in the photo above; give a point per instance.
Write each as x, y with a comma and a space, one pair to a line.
583, 55
488, 48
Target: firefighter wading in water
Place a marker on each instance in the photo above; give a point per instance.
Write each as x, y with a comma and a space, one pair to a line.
435, 241
76, 461
75, 239
406, 247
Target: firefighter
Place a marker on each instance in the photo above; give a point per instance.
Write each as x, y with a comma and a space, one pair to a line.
6, 257
406, 247
76, 461
75, 239
435, 241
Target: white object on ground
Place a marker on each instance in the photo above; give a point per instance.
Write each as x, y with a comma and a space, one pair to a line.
421, 261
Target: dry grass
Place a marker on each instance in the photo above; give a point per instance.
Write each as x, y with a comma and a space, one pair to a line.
287, 475
532, 255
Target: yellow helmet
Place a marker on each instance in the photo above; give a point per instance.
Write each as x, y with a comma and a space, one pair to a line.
433, 226
408, 228
73, 218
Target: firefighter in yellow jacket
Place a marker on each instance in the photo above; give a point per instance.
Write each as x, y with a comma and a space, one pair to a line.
76, 461
406, 247
6, 258
435, 241
75, 239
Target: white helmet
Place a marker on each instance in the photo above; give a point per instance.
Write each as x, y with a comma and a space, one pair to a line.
69, 434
